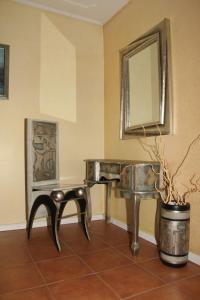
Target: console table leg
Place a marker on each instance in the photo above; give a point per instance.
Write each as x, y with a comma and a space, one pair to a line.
107, 201
136, 206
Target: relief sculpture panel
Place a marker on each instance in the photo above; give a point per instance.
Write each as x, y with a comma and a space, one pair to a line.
44, 151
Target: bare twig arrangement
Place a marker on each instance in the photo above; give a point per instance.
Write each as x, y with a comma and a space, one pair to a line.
168, 190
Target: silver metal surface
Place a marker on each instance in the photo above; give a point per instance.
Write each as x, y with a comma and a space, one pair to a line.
176, 215
107, 201
57, 196
174, 260
160, 33
135, 229
137, 182
139, 177
174, 234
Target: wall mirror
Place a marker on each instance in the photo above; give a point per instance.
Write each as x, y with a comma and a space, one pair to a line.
4, 61
145, 84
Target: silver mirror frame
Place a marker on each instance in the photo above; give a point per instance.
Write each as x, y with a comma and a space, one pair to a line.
164, 126
5, 94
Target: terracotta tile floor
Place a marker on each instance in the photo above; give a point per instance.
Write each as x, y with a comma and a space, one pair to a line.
102, 269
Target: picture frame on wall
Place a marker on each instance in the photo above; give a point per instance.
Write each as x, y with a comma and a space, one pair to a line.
4, 71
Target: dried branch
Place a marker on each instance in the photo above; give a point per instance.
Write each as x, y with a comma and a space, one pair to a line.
195, 140
146, 148
168, 191
195, 188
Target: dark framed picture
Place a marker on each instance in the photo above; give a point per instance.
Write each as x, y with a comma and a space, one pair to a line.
4, 71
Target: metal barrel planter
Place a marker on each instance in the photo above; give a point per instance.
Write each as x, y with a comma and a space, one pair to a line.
174, 234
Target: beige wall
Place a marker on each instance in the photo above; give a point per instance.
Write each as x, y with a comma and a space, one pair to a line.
41, 44
135, 19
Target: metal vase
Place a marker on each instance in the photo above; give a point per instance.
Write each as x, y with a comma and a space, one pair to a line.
174, 234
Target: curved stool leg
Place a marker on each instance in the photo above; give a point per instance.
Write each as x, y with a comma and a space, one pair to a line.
38, 201
60, 213
54, 223
83, 210
52, 210
89, 205
68, 196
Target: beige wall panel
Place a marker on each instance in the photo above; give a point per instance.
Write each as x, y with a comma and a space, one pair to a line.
135, 19
82, 136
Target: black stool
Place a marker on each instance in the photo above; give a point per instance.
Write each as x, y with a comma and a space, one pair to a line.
55, 199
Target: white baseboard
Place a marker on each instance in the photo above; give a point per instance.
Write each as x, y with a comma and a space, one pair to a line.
43, 223
192, 257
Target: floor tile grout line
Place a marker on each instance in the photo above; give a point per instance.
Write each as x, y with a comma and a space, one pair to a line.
144, 292
123, 254
94, 251
99, 237
40, 273
183, 278
63, 279
91, 252
162, 285
50, 293
108, 286
150, 272
112, 268
158, 277
97, 272
139, 262
167, 284
78, 254
109, 248
115, 268
55, 257
70, 279
85, 263
134, 259
24, 290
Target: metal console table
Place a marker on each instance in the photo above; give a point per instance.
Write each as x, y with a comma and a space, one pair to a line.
135, 180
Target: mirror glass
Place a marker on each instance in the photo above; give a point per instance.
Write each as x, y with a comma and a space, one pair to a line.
144, 88
4, 71
145, 84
